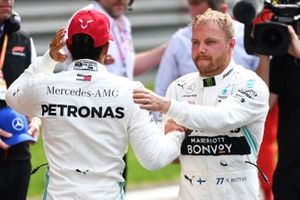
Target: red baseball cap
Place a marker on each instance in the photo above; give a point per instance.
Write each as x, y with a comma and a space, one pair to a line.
90, 22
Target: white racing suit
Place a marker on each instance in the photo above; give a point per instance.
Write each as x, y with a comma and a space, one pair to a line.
226, 123
88, 118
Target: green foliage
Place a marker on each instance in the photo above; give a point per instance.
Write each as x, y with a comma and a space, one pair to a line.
139, 176
150, 85
37, 181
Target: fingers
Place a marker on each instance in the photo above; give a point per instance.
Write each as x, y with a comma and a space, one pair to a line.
3, 145
179, 128
34, 131
3, 133
144, 99
150, 101
140, 96
139, 91
174, 127
171, 125
145, 104
57, 44
292, 32
34, 127
294, 47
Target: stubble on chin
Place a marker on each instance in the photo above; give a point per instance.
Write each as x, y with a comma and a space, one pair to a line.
203, 64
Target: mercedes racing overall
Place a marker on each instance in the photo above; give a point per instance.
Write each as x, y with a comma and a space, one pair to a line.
226, 124
88, 119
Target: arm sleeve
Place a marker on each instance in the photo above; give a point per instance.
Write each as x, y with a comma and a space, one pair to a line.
33, 51
20, 94
152, 148
168, 69
240, 108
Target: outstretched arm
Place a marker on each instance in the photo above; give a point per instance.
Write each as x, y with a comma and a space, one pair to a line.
145, 61
152, 148
237, 110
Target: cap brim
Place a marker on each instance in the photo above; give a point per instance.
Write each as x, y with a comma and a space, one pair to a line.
18, 138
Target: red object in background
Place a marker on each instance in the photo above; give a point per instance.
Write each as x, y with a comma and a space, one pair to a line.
265, 16
268, 151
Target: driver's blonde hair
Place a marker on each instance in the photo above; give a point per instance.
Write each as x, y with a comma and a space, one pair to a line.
223, 20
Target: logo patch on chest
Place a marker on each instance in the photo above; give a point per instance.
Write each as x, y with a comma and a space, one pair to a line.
218, 145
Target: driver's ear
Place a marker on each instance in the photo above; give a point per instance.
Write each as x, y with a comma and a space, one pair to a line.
232, 43
103, 53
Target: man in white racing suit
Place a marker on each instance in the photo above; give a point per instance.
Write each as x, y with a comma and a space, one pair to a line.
224, 109
88, 116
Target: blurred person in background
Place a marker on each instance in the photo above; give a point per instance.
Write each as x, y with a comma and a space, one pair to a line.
16, 53
88, 115
223, 106
284, 88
